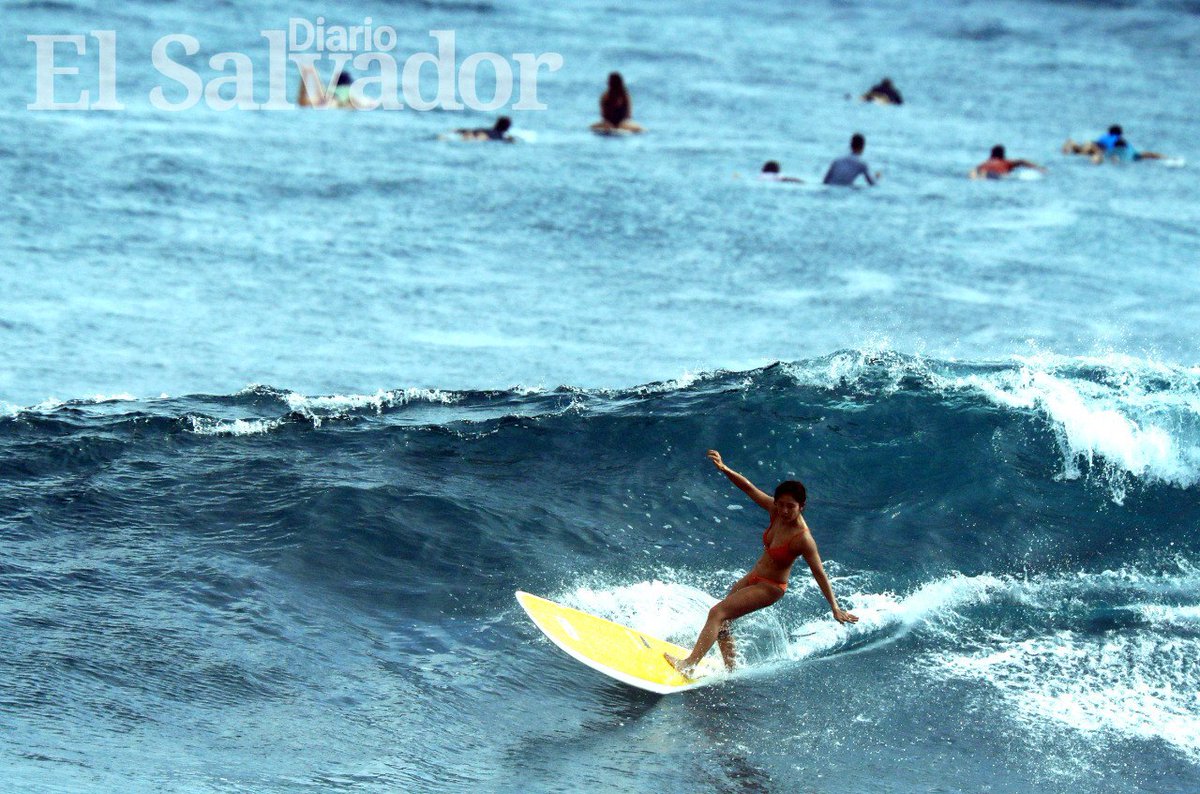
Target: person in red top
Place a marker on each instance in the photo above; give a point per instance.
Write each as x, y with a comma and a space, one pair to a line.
996, 166
785, 540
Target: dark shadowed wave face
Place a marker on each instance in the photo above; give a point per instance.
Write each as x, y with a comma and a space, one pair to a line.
313, 566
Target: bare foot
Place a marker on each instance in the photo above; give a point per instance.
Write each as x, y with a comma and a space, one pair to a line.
684, 670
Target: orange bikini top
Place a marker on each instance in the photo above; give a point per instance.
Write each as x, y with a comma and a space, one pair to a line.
781, 553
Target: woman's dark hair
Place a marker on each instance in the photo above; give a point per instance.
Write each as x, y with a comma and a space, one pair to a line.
770, 167
792, 488
615, 82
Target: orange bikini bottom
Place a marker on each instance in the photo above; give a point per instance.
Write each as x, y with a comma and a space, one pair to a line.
756, 579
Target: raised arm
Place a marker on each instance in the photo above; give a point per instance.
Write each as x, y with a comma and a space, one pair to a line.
761, 499
813, 558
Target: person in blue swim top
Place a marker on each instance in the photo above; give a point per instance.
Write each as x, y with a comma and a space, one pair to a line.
1098, 149
844, 170
1122, 152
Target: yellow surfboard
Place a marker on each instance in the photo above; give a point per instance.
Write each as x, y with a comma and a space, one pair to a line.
619, 652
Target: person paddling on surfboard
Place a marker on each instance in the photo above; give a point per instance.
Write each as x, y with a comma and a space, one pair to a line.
997, 166
785, 540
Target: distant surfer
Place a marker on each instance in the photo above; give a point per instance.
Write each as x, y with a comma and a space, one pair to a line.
844, 170
771, 173
997, 166
1110, 146
497, 132
313, 94
616, 109
785, 540
1098, 149
883, 93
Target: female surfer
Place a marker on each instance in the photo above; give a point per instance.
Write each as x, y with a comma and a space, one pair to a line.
314, 94
786, 539
616, 109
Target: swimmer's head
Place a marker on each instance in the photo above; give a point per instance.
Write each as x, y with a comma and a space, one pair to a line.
887, 81
770, 167
1115, 130
997, 152
616, 82
503, 123
857, 143
794, 489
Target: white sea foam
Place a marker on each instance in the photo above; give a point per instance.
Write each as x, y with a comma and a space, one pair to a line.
669, 610
111, 398
205, 426
1138, 681
1124, 417
1116, 416
1136, 686
682, 382
886, 616
848, 368
1177, 616
377, 402
1124, 588
676, 612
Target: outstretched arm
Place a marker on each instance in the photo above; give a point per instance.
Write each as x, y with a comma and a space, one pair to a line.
813, 558
761, 499
1027, 164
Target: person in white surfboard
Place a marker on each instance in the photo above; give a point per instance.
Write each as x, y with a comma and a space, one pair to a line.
785, 540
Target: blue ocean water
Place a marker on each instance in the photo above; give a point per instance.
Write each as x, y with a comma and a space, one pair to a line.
292, 402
